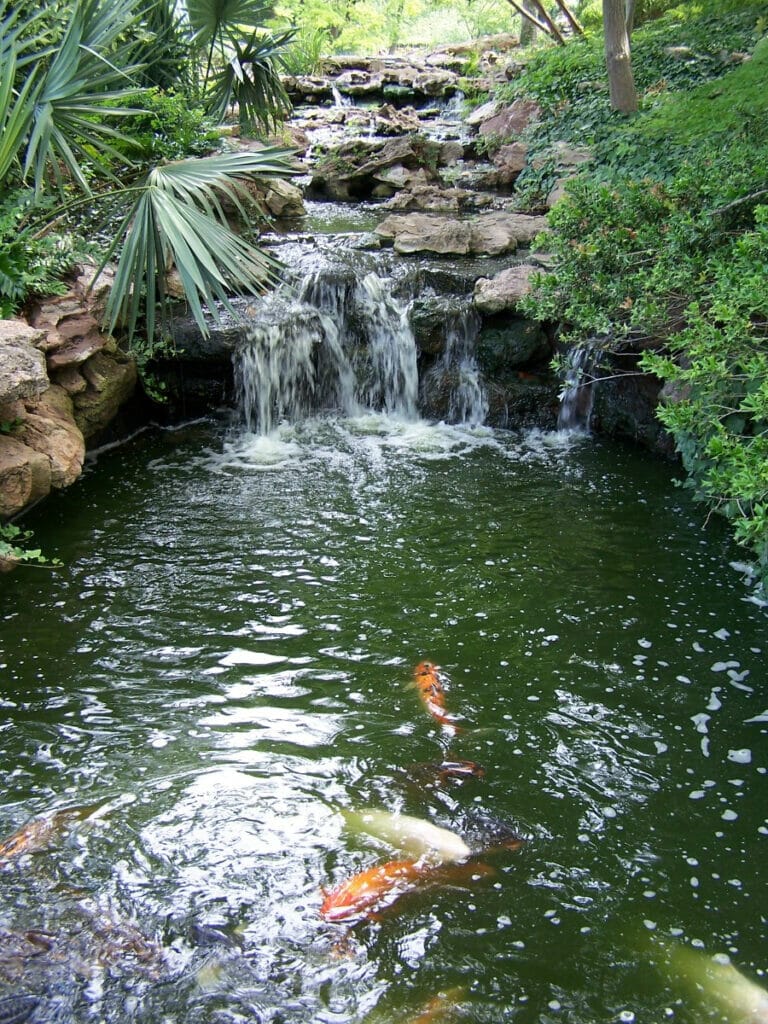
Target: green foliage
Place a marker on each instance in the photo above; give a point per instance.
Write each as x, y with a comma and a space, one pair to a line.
680, 269
304, 55
29, 265
164, 125
12, 539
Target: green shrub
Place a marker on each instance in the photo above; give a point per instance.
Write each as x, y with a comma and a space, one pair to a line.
167, 126
29, 265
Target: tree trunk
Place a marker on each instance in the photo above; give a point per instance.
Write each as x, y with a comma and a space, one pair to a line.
621, 82
528, 29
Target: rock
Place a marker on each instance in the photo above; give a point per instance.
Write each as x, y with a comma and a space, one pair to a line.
429, 198
419, 232
510, 122
507, 347
25, 476
488, 234
429, 315
450, 153
49, 428
509, 161
111, 379
283, 199
22, 365
504, 291
482, 114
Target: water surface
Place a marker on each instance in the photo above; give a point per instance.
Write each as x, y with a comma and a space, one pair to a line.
221, 667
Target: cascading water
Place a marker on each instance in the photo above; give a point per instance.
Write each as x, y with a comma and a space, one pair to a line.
576, 397
469, 400
340, 344
456, 376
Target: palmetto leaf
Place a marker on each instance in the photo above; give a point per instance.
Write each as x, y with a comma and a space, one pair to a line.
211, 19
75, 91
176, 219
251, 80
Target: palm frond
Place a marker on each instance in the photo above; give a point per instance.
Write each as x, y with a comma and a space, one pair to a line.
16, 113
211, 19
77, 87
252, 81
177, 219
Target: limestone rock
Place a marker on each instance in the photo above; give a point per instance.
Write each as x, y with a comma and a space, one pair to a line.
283, 199
25, 476
49, 428
111, 379
487, 234
22, 365
482, 113
504, 291
509, 161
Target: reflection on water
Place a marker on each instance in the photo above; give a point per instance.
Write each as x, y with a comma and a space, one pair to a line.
219, 678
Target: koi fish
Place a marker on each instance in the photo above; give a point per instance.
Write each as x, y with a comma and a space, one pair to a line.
713, 982
42, 833
377, 888
439, 1007
411, 835
431, 689
440, 774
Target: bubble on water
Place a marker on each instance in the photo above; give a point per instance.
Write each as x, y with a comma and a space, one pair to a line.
644, 643
694, 882
722, 634
650, 925
741, 756
554, 1004
700, 721
729, 815
683, 679
627, 1015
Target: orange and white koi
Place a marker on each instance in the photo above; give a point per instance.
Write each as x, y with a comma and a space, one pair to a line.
366, 894
429, 683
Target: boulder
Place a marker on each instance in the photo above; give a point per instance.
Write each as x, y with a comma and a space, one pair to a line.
503, 291
25, 476
486, 234
510, 122
49, 428
282, 199
111, 378
22, 364
509, 161
505, 348
482, 114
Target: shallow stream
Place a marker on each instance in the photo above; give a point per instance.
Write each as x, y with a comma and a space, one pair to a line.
221, 666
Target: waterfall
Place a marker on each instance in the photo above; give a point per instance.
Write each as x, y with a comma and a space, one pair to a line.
339, 100
335, 343
455, 377
576, 396
469, 401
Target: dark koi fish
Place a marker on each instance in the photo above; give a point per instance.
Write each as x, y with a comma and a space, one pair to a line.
429, 683
445, 772
377, 888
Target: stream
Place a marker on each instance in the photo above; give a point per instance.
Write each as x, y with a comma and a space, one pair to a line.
221, 672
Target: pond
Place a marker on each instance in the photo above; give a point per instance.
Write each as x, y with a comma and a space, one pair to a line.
224, 664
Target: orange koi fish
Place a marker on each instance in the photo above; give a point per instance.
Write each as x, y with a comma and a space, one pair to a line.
42, 833
431, 689
377, 888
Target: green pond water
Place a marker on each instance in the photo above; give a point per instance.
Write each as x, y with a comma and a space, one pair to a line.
222, 665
